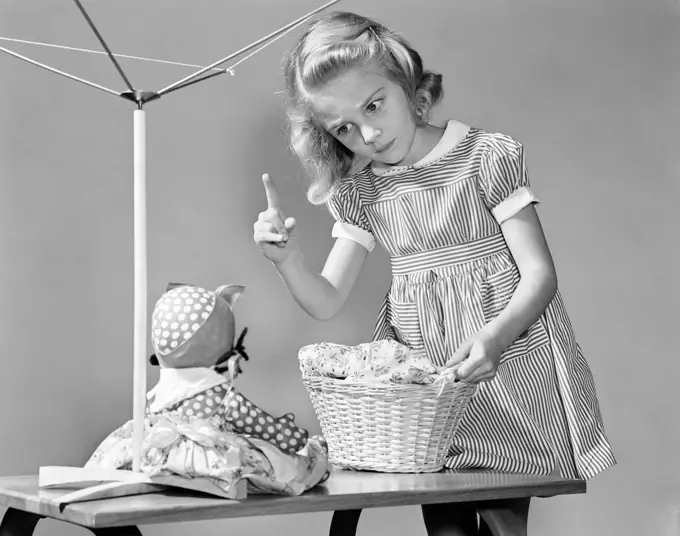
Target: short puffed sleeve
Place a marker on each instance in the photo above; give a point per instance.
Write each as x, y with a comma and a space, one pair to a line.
350, 219
504, 181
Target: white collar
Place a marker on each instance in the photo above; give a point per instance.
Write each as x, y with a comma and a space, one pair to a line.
175, 385
454, 133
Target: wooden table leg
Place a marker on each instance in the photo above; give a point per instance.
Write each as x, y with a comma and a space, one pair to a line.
505, 517
19, 523
344, 523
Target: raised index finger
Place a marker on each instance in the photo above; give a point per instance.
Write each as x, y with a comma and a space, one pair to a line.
273, 200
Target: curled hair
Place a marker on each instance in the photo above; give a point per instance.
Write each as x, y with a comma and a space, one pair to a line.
331, 45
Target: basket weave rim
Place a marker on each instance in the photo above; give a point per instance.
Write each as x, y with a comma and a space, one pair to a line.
362, 382
343, 381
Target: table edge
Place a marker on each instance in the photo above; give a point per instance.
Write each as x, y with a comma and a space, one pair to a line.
271, 505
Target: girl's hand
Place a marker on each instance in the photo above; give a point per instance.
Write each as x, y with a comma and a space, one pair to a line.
274, 234
477, 358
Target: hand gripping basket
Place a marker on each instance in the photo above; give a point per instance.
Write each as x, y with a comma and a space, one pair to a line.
397, 428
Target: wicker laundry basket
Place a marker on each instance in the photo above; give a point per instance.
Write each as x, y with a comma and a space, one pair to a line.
394, 428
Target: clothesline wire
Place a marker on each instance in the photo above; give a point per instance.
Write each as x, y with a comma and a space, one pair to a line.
218, 70
266, 39
187, 81
126, 56
230, 69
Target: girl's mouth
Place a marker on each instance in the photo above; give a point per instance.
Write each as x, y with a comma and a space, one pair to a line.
385, 148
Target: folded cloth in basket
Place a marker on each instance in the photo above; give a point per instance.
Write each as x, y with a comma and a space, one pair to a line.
382, 361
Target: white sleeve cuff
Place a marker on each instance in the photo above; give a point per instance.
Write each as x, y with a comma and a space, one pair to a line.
354, 233
515, 202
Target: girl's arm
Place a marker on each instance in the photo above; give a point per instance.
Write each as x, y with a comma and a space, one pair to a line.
538, 284
480, 354
323, 295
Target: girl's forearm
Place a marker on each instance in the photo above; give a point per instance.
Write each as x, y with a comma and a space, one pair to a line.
532, 296
311, 290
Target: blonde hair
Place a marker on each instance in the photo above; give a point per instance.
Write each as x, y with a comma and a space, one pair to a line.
331, 44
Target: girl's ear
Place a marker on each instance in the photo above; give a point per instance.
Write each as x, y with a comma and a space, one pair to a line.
231, 293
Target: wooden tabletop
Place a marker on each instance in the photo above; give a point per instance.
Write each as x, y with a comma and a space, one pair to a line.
344, 490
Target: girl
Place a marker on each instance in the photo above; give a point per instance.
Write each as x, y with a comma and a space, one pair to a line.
473, 281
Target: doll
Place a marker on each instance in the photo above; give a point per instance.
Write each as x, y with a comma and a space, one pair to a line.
176, 320
198, 426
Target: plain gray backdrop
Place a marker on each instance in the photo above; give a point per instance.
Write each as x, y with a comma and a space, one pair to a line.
589, 86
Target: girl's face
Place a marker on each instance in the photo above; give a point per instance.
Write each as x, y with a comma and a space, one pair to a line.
369, 114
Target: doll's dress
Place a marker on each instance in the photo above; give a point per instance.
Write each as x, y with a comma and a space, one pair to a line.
188, 442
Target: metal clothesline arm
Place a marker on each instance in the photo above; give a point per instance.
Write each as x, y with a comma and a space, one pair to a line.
194, 81
230, 68
106, 47
247, 48
62, 73
142, 97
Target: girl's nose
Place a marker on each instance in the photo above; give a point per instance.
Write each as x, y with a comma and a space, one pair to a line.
370, 133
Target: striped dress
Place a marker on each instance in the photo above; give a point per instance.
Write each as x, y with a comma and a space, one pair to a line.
440, 219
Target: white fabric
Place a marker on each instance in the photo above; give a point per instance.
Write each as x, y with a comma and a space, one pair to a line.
175, 385
511, 205
352, 232
454, 133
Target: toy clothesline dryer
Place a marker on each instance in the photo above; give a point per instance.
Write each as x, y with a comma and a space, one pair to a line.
93, 483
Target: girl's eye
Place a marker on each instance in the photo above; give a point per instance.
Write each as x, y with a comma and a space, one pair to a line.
343, 130
375, 105
371, 108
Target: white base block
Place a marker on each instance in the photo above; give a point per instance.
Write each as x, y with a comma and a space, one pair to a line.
81, 477
88, 484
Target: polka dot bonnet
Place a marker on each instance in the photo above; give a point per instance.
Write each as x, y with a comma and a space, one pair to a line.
192, 326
